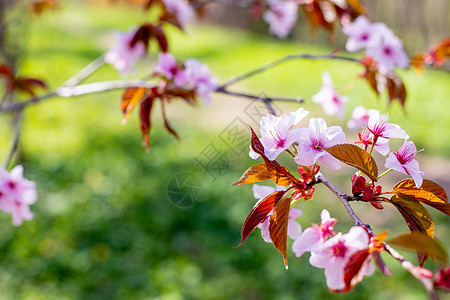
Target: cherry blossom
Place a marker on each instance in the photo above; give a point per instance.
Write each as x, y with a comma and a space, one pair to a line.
17, 194
314, 139
121, 55
367, 138
332, 102
403, 161
180, 8
360, 117
281, 16
277, 134
333, 255
388, 50
293, 229
200, 79
313, 237
380, 128
168, 67
361, 33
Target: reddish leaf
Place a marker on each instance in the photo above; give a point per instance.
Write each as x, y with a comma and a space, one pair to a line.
422, 243
380, 264
6, 70
38, 6
396, 89
278, 227
416, 217
356, 268
429, 193
166, 121
130, 99
259, 213
356, 157
158, 34
142, 34
170, 19
145, 124
442, 278
255, 173
280, 175
29, 85
418, 61
440, 52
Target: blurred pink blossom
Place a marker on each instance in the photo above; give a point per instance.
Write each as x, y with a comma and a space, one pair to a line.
360, 34
200, 79
332, 102
121, 55
388, 50
360, 117
403, 161
333, 255
312, 141
180, 8
16, 194
167, 65
277, 134
281, 16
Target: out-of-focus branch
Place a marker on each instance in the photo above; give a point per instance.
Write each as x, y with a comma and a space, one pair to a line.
284, 59
222, 90
415, 271
88, 88
85, 72
16, 133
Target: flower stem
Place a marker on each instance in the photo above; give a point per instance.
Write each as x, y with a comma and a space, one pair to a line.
384, 173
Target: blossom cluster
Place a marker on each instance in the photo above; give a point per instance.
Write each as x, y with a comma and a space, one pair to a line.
192, 75
380, 43
278, 135
281, 17
16, 194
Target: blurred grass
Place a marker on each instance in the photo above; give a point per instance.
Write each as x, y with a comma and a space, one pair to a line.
104, 227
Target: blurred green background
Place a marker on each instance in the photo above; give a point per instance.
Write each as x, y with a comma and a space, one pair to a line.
104, 225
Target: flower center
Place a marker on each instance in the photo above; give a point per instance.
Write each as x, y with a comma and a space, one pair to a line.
339, 249
404, 157
12, 185
364, 36
387, 51
379, 128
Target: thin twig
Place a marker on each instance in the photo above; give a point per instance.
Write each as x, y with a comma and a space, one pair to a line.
222, 90
284, 59
414, 270
16, 134
88, 88
344, 199
85, 72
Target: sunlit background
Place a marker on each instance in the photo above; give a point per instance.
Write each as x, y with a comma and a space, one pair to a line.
107, 224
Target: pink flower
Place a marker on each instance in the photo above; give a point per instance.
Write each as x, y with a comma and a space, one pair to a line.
333, 255
121, 55
180, 8
332, 102
17, 194
367, 138
167, 65
314, 139
380, 128
293, 229
387, 51
200, 79
361, 33
403, 161
360, 117
281, 16
276, 133
313, 237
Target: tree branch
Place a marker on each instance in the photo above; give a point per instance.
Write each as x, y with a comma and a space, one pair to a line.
414, 270
16, 134
85, 72
284, 59
88, 88
223, 90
